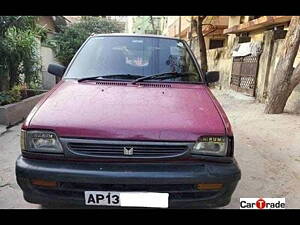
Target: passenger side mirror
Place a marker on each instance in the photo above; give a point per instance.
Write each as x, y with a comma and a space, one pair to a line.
212, 76
57, 70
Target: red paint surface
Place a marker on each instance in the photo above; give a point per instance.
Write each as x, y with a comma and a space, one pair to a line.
180, 113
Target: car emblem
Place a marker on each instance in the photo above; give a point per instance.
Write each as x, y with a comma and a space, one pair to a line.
128, 151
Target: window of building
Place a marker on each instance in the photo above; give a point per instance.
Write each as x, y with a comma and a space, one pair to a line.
213, 43
253, 17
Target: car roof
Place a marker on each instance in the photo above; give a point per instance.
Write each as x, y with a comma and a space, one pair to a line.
133, 35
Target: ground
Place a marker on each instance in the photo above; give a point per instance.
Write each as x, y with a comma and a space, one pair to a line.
266, 148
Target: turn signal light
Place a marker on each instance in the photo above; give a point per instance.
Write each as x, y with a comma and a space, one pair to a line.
209, 186
44, 183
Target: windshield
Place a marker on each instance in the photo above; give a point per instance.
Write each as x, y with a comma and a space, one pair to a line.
107, 55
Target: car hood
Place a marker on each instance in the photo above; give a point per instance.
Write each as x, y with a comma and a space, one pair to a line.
119, 110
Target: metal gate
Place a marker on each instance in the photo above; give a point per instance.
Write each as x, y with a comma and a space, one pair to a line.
244, 74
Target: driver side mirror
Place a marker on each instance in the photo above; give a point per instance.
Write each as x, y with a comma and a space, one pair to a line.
212, 76
57, 70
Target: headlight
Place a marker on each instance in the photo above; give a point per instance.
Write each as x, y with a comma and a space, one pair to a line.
40, 141
211, 146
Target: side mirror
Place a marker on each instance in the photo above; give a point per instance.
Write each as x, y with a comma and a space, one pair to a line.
57, 70
212, 76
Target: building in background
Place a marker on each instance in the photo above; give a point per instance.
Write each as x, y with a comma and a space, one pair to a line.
123, 20
255, 73
164, 25
213, 26
145, 24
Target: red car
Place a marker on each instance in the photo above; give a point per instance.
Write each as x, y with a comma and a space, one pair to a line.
132, 123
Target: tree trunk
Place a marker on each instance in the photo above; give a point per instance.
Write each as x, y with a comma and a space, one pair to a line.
4, 81
277, 100
202, 47
13, 76
191, 27
285, 77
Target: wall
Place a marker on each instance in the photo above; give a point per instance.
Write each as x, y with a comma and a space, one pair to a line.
232, 21
48, 80
293, 103
257, 35
265, 62
218, 59
12, 114
173, 26
185, 22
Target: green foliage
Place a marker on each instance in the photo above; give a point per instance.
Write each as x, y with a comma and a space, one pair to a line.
19, 53
66, 43
11, 96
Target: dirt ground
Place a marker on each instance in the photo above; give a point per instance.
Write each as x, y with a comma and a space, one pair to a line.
266, 148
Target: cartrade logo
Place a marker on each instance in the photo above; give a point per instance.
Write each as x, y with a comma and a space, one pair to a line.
262, 203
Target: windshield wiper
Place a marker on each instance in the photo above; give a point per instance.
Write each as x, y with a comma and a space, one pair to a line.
163, 76
133, 76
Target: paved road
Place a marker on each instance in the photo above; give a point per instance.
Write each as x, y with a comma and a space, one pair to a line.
10, 194
266, 147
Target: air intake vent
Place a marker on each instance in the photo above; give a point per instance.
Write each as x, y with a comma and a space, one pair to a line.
157, 85
112, 83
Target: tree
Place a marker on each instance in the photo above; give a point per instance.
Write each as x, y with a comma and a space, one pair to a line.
202, 46
18, 49
286, 78
197, 24
66, 43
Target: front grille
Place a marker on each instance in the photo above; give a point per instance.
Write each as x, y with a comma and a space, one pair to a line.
149, 150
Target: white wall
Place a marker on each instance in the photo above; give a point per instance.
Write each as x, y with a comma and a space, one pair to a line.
48, 80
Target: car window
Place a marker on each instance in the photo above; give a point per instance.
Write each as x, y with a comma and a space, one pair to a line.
133, 55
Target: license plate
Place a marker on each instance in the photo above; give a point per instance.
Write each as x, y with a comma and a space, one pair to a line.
127, 199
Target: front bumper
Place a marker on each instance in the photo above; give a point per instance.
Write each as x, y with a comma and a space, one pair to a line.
178, 179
